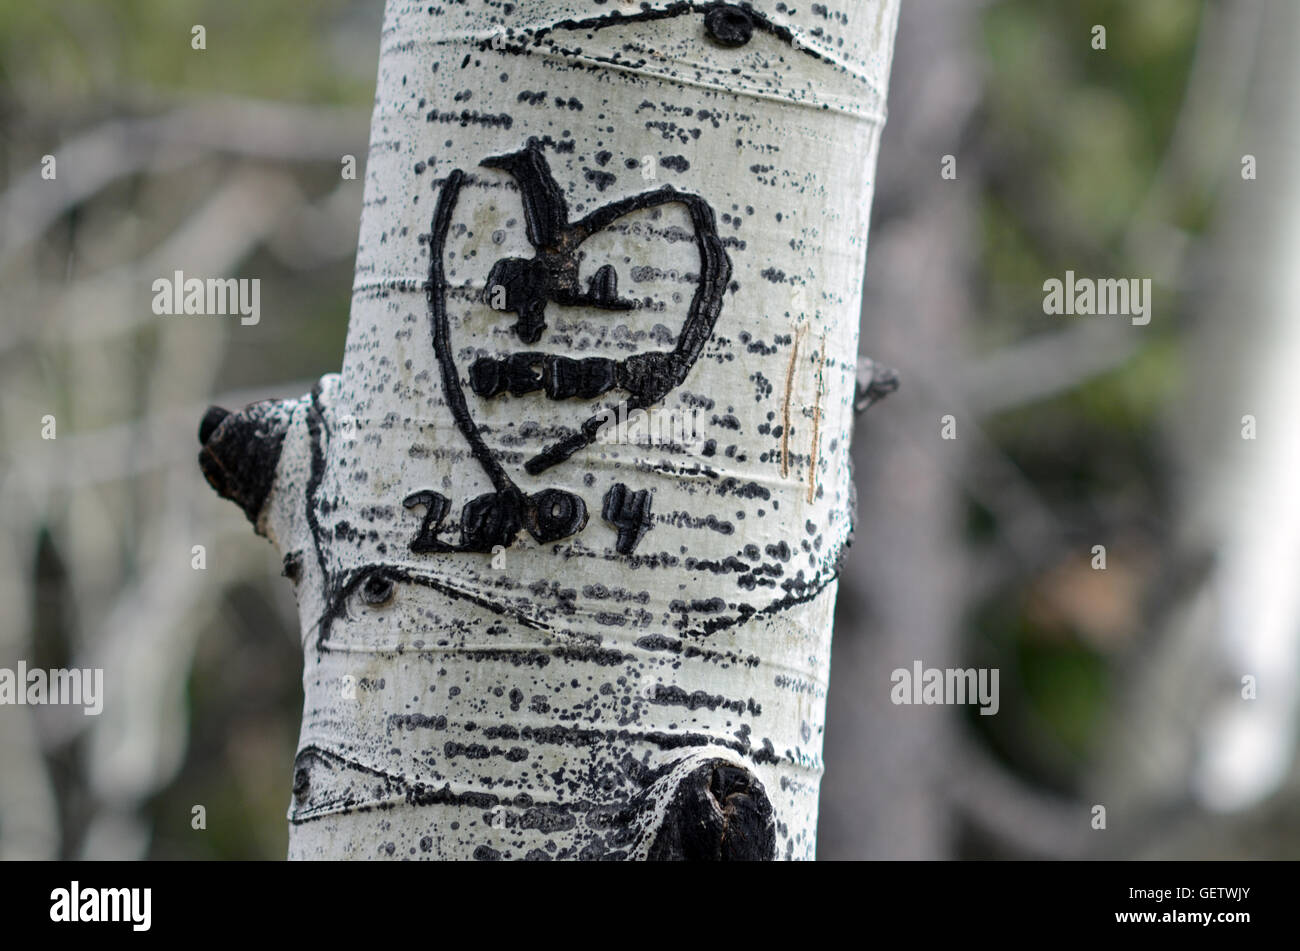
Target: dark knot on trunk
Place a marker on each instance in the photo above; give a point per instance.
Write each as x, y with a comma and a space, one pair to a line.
241, 451
718, 813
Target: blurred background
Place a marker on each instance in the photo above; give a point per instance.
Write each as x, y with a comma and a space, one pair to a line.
1120, 687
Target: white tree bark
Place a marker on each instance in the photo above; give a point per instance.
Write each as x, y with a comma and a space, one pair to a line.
522, 641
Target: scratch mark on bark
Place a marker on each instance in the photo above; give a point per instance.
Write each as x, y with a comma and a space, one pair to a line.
817, 424
785, 407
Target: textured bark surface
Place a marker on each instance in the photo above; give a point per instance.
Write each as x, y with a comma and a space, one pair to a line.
521, 641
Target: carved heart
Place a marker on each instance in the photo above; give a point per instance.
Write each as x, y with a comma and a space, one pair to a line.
526, 286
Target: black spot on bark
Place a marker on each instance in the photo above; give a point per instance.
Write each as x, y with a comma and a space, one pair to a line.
728, 25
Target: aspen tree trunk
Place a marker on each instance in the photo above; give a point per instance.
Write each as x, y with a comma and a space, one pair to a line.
566, 529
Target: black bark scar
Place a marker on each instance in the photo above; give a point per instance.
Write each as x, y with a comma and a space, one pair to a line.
719, 813
629, 512
729, 25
